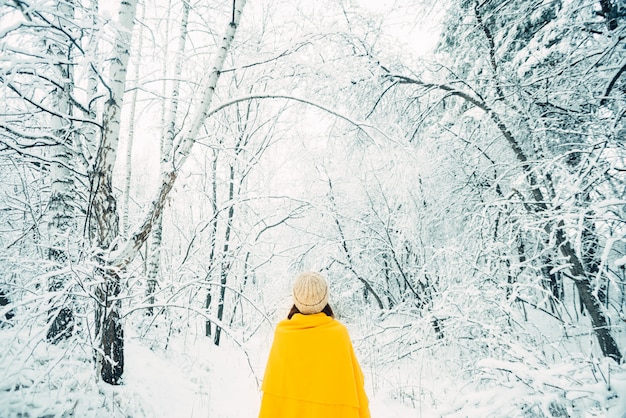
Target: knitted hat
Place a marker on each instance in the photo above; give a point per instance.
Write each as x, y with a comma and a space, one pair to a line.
310, 293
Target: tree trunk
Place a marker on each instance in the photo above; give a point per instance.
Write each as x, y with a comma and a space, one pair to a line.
131, 134
5, 301
226, 257
130, 248
166, 144
114, 257
104, 217
207, 302
60, 213
592, 304
610, 12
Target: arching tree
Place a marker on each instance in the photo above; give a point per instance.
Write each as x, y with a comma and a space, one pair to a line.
540, 116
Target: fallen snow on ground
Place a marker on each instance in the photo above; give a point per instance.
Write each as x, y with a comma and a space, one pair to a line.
209, 382
194, 378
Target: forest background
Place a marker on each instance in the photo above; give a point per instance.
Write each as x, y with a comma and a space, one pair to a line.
457, 170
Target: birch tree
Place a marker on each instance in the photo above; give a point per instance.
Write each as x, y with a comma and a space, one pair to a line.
61, 217
166, 144
41, 82
104, 219
114, 253
90, 153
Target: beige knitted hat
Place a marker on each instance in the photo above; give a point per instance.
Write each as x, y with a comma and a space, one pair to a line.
310, 293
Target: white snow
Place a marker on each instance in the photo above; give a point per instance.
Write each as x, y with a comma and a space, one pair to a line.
194, 378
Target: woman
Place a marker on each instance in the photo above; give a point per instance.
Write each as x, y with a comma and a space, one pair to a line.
312, 371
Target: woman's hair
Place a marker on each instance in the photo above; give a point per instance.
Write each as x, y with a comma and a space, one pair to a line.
327, 310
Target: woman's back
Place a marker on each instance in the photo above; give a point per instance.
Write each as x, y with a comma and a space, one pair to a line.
312, 371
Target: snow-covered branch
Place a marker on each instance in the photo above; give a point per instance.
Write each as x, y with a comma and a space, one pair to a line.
129, 249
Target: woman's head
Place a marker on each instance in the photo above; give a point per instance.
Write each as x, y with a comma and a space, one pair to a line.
310, 293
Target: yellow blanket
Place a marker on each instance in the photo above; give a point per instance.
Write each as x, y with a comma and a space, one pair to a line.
312, 372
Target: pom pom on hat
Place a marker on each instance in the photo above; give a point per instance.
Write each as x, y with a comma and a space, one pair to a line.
310, 293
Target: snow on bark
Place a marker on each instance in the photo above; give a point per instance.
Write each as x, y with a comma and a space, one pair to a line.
62, 189
167, 141
131, 134
104, 218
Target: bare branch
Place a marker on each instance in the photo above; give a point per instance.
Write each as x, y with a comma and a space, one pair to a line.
43, 108
361, 125
609, 88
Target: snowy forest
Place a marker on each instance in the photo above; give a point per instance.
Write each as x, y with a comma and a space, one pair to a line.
455, 168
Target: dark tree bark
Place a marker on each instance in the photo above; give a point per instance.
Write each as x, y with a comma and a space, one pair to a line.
592, 304
5, 301
609, 12
109, 329
226, 263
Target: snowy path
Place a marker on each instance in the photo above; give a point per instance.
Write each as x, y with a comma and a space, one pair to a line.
211, 383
